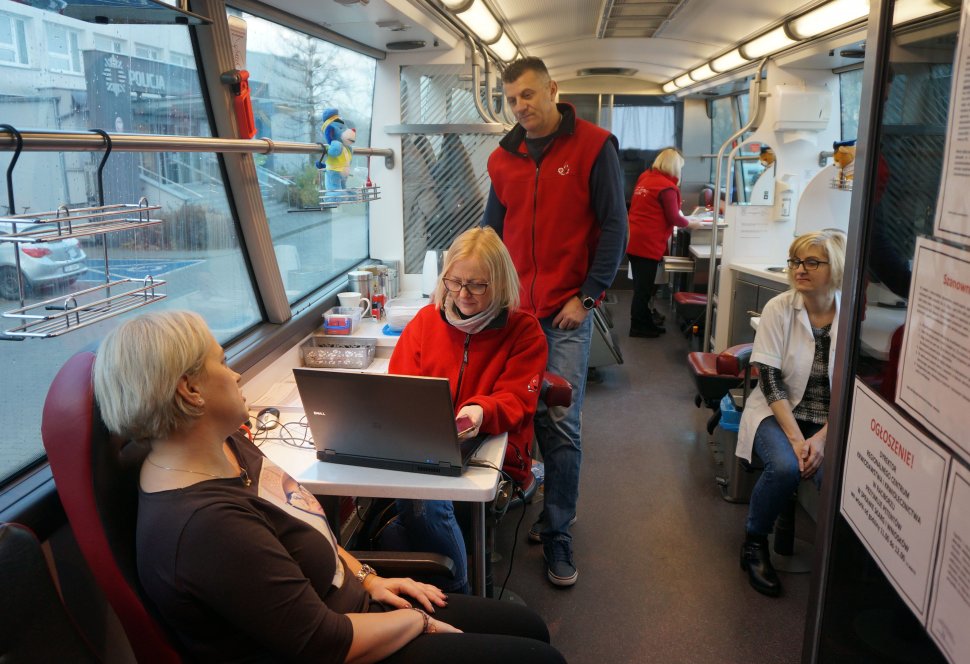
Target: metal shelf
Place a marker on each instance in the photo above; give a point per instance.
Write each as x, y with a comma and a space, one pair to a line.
330, 198
65, 223
59, 315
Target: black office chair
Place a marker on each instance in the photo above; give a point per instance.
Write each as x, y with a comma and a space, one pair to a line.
34, 624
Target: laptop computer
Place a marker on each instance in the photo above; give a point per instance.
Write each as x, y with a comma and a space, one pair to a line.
384, 421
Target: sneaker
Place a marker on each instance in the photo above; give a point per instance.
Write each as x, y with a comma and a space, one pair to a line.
535, 532
560, 568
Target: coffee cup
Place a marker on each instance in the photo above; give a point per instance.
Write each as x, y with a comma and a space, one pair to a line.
352, 299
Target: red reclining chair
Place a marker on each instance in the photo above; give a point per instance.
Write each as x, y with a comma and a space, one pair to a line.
97, 479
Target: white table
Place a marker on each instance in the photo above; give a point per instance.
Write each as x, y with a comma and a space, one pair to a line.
476, 485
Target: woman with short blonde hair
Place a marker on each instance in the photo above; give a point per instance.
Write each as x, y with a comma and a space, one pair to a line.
494, 356
236, 557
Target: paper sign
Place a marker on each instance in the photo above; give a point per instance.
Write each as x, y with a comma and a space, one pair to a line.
892, 495
953, 207
949, 623
934, 377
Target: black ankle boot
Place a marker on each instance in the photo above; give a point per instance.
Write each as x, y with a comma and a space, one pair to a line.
756, 561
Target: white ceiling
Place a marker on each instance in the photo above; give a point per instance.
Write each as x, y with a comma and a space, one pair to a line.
563, 33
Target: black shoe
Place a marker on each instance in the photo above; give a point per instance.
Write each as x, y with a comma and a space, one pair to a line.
756, 561
658, 318
560, 568
646, 332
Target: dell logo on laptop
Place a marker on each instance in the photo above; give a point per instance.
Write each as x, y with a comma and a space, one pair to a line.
320, 413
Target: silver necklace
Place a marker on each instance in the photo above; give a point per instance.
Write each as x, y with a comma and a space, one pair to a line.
243, 475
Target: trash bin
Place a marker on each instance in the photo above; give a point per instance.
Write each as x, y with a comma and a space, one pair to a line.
741, 476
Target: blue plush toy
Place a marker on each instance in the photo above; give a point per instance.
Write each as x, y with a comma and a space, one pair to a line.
339, 140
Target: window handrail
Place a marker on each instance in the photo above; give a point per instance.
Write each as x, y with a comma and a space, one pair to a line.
73, 141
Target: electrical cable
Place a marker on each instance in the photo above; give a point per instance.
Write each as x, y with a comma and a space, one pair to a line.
515, 539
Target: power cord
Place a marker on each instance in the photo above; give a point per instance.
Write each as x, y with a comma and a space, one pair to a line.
515, 539
295, 434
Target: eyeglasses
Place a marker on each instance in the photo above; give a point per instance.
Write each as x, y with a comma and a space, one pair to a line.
809, 263
455, 286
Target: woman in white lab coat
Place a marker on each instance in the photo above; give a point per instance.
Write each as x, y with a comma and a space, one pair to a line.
785, 420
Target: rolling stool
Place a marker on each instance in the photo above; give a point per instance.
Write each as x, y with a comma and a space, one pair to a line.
555, 391
715, 374
691, 309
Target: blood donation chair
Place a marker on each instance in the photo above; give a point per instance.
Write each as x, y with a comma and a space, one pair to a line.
715, 374
96, 475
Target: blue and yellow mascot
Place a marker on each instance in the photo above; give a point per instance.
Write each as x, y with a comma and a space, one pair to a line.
338, 140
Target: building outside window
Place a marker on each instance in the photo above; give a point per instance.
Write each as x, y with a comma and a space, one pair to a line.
63, 52
13, 40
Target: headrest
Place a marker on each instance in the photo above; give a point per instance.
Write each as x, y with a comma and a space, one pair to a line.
734, 360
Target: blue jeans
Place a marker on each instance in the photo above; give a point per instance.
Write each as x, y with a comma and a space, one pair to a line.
558, 428
430, 525
781, 476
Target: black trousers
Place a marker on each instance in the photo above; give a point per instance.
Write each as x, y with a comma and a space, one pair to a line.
644, 276
494, 631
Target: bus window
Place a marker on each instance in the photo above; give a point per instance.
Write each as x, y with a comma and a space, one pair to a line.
850, 100
61, 73
293, 78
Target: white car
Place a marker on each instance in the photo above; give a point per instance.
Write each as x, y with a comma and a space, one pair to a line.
41, 264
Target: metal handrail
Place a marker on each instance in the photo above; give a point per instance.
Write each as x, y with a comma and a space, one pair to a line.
48, 140
754, 118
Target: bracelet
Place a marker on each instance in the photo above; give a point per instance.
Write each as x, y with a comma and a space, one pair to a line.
429, 627
364, 571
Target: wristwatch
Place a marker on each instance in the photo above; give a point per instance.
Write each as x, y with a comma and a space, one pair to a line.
588, 302
364, 570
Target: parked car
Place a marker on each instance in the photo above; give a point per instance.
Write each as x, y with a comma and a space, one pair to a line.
57, 263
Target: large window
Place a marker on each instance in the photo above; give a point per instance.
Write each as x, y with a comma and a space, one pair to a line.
63, 52
195, 250
13, 40
294, 77
850, 101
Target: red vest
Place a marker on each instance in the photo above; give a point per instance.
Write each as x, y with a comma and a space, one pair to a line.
649, 230
550, 228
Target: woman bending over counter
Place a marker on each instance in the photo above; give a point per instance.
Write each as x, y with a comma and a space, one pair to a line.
236, 557
493, 357
654, 213
785, 421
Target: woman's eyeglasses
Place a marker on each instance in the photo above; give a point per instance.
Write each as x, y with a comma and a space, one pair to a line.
809, 263
455, 286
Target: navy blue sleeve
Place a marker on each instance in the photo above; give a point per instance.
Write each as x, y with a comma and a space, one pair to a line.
494, 212
606, 197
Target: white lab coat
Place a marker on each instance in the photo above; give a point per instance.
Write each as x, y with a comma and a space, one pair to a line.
784, 340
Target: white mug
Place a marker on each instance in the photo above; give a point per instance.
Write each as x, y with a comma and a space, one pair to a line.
352, 299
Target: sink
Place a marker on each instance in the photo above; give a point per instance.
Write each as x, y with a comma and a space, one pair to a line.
777, 268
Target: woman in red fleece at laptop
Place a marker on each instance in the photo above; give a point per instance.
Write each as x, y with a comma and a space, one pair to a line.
493, 356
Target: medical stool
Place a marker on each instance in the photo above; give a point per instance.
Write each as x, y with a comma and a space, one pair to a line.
715, 374
691, 309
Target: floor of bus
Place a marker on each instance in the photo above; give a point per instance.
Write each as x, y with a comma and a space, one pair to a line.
655, 544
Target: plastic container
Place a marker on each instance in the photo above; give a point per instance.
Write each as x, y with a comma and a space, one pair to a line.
730, 416
399, 311
342, 320
325, 352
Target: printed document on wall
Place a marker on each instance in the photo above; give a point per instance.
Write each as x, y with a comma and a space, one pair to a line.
892, 495
950, 611
934, 366
953, 207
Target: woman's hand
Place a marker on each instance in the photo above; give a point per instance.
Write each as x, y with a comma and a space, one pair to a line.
389, 591
443, 627
812, 454
476, 414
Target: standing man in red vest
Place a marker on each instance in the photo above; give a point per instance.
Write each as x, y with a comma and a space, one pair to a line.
557, 202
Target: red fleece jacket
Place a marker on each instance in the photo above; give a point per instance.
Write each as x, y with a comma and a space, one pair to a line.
499, 369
